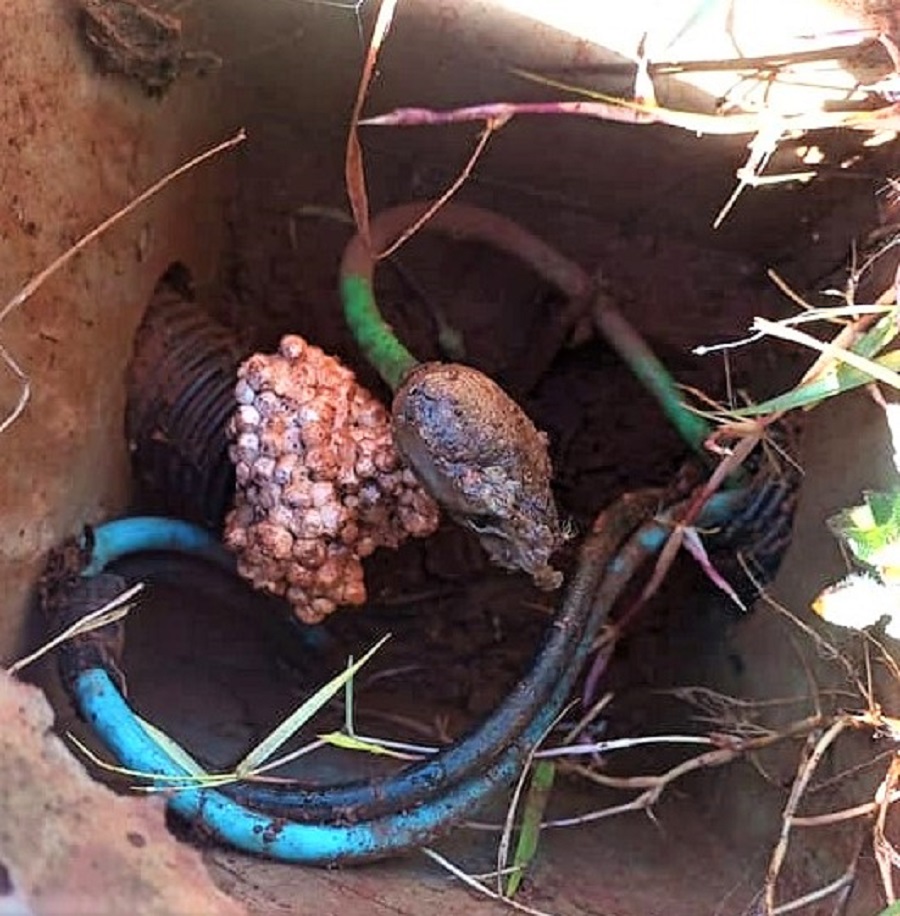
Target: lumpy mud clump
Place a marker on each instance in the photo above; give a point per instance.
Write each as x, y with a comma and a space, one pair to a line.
319, 482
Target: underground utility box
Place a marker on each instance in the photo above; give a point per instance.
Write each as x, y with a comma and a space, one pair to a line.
449, 457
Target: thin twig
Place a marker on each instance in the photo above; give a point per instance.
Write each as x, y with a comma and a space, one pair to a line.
730, 747
835, 887
845, 814
830, 349
111, 612
788, 291
477, 886
739, 64
354, 169
35, 282
827, 649
620, 744
843, 775
492, 125
887, 117
656, 786
886, 856
24, 389
42, 276
849, 335
805, 771
588, 718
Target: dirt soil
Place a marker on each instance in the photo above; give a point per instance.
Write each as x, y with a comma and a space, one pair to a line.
477, 626
464, 633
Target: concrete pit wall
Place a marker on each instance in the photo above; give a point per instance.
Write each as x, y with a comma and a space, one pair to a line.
78, 146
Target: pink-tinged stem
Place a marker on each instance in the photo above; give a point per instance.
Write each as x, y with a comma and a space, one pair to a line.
884, 118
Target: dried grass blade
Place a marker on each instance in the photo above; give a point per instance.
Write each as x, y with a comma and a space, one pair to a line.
111, 612
861, 363
354, 168
477, 886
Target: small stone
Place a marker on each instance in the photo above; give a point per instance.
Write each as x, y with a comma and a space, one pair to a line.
322, 493
247, 443
274, 540
284, 468
310, 552
297, 496
353, 591
246, 417
243, 393
365, 466
263, 469
299, 576
268, 404
293, 441
282, 516
365, 546
386, 460
331, 515
322, 607
312, 523
292, 346
315, 434
329, 573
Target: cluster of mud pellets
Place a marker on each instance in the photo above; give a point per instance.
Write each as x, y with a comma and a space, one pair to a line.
319, 482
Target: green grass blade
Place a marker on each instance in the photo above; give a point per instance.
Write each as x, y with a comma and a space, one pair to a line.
844, 378
300, 716
174, 750
352, 743
535, 803
892, 910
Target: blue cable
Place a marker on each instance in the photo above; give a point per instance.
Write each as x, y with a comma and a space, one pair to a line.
329, 842
293, 801
367, 798
113, 540
274, 836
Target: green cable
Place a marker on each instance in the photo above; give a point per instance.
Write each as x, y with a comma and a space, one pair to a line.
655, 378
390, 358
374, 335
692, 428
653, 375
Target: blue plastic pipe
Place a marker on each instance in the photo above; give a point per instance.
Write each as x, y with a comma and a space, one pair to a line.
369, 798
251, 829
274, 836
113, 540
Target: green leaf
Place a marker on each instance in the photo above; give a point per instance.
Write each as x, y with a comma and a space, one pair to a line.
535, 804
892, 910
885, 507
352, 743
300, 716
871, 530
